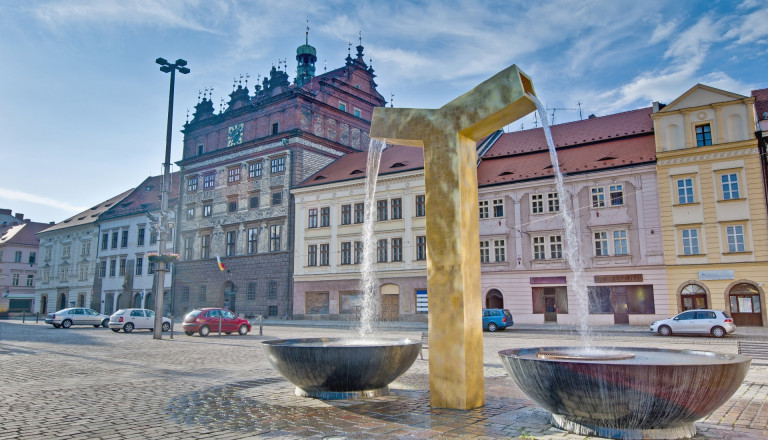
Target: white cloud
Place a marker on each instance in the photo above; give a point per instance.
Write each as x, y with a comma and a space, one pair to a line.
663, 31
10, 194
752, 28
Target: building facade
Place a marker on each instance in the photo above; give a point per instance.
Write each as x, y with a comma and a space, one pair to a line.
713, 203
238, 169
18, 262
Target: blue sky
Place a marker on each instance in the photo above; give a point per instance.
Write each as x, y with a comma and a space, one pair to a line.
83, 109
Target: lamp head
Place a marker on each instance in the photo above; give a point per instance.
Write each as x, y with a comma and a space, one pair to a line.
161, 61
183, 70
165, 69
181, 62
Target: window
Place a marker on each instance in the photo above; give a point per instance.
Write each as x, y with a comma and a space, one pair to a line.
103, 269
312, 255
203, 291
537, 203
277, 165
312, 220
104, 243
616, 194
346, 252
85, 250
555, 247
250, 291
140, 237
421, 247
277, 198
192, 184
123, 263
232, 206
139, 265
124, 239
342, 106
685, 191
500, 250
690, 241
272, 291
600, 299
553, 202
254, 170
601, 244
114, 240
185, 294
209, 181
231, 243
200, 149
358, 251
253, 202
730, 186
397, 209
188, 247
151, 268
275, 128
703, 135
207, 209
325, 217
357, 112
346, 214
30, 280
421, 206
64, 273
253, 236
153, 237
66, 252
381, 210
112, 267
539, 248
190, 212
86, 247
205, 246
233, 175
17, 257
15, 280
359, 212
381, 251
735, 238
598, 197
397, 249
274, 238
620, 242
272, 311
325, 254
485, 251
483, 208
498, 208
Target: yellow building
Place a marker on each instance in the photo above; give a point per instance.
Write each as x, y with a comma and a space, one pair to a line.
713, 203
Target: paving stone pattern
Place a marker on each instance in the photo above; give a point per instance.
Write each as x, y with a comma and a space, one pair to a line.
87, 383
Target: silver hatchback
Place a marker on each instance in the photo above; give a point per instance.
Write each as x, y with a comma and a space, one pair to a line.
700, 321
66, 318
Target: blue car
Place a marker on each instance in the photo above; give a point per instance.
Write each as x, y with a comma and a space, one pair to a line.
496, 319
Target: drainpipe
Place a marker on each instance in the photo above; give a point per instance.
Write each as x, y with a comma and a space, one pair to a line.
761, 148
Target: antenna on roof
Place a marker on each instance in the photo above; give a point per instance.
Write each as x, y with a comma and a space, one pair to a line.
246, 80
199, 92
579, 104
325, 65
187, 115
360, 37
391, 99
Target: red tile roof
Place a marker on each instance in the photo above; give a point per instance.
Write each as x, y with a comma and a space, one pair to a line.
761, 102
395, 159
574, 133
23, 234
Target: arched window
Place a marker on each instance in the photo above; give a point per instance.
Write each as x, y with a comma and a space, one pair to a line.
693, 297
494, 300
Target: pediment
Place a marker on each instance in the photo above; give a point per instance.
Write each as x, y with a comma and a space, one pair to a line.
700, 95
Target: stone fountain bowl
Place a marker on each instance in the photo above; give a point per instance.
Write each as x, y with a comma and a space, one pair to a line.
646, 393
339, 368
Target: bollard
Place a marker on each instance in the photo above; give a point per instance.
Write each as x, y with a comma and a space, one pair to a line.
261, 325
23, 316
219, 325
37, 318
171, 336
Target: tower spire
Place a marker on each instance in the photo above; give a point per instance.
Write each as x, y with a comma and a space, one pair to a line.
306, 56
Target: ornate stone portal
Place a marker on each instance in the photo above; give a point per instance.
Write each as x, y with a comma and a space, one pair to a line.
449, 137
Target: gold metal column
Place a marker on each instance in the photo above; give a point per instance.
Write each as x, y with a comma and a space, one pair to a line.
449, 136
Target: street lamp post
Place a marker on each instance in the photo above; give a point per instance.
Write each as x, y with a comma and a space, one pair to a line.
162, 225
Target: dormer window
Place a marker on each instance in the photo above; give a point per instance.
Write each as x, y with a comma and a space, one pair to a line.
703, 135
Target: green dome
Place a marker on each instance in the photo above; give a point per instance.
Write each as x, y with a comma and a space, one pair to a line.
306, 49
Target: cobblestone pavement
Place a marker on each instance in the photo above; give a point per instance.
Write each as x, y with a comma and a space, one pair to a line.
91, 383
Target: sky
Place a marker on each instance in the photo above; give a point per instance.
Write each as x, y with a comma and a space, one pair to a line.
83, 109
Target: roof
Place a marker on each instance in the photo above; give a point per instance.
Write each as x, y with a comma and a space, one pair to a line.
23, 234
761, 102
353, 166
87, 216
634, 122
145, 198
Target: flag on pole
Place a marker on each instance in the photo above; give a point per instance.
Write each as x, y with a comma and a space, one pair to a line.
220, 263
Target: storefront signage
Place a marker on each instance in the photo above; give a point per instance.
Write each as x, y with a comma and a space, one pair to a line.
626, 278
708, 275
548, 280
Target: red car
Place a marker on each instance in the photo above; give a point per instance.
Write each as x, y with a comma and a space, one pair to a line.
208, 319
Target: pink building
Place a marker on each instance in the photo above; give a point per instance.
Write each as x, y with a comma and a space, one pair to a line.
18, 262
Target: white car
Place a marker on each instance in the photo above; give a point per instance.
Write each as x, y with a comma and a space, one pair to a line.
66, 318
700, 321
131, 319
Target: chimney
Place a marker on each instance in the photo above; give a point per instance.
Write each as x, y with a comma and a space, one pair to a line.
19, 216
5, 212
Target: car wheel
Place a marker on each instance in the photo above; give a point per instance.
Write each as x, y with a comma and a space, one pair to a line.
166, 326
56, 325
227, 333
243, 330
665, 330
492, 327
718, 332
204, 331
105, 323
189, 333
96, 325
115, 330
67, 323
128, 327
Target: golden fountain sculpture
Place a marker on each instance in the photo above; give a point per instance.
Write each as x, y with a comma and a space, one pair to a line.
449, 136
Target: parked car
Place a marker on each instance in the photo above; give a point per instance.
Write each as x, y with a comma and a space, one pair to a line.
76, 316
496, 319
132, 319
208, 319
700, 321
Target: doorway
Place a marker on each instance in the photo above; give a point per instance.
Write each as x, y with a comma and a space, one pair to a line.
550, 304
746, 308
44, 304
62, 301
390, 307
230, 296
494, 300
620, 308
692, 297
